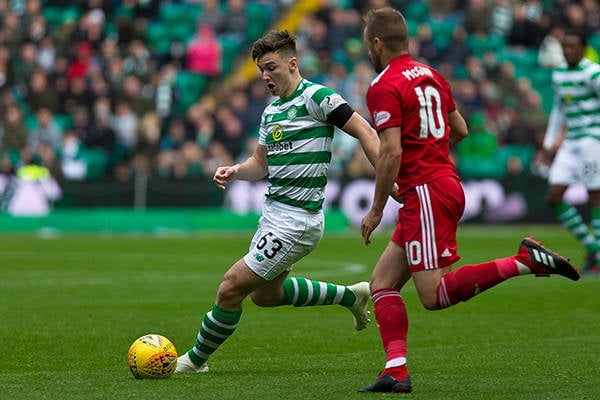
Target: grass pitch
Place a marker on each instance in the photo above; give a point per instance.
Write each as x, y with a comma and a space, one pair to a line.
71, 305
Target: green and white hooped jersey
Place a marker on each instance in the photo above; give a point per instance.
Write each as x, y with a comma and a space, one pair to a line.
298, 140
577, 94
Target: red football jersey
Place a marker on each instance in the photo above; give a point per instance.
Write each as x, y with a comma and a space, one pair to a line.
416, 98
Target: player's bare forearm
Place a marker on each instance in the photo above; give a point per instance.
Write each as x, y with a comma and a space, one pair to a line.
358, 127
386, 173
254, 168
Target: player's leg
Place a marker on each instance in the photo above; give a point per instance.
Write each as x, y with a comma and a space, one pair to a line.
284, 242
388, 277
303, 292
594, 201
571, 218
590, 148
568, 167
432, 250
221, 321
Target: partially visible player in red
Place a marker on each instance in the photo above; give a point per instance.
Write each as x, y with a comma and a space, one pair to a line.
415, 114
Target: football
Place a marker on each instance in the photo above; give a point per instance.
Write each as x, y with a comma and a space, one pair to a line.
152, 357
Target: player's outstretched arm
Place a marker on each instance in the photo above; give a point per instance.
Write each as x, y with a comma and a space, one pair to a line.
388, 163
254, 168
358, 127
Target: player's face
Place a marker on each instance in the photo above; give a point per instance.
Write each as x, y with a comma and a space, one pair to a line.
572, 49
373, 54
278, 72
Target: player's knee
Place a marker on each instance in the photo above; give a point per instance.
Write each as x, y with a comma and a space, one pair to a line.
228, 295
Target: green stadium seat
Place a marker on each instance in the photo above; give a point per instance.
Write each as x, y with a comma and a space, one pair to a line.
65, 121
175, 13
182, 30
259, 17
159, 38
417, 11
189, 87
442, 31
230, 50
480, 44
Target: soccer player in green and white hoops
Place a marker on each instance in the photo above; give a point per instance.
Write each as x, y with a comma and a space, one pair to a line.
294, 151
577, 104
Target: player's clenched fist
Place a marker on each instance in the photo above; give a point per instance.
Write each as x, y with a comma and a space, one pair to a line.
223, 175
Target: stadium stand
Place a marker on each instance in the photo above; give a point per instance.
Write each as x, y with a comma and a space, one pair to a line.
89, 50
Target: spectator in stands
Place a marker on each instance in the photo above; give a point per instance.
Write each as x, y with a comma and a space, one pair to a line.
229, 130
78, 95
506, 79
234, 21
591, 10
203, 125
45, 139
468, 97
14, 137
124, 123
132, 91
12, 34
172, 143
501, 18
427, 50
46, 53
457, 52
37, 30
211, 14
100, 134
91, 28
81, 62
139, 61
317, 39
342, 25
64, 33
238, 101
519, 141
32, 11
477, 18
203, 52
148, 144
40, 94
526, 29
22, 66
29, 42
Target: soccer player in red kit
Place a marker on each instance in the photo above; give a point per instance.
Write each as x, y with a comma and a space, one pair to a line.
415, 115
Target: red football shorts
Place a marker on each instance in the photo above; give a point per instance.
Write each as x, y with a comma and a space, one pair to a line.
428, 222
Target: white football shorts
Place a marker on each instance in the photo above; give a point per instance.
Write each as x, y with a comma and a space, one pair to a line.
577, 161
285, 234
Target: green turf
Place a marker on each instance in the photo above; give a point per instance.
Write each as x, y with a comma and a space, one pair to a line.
71, 306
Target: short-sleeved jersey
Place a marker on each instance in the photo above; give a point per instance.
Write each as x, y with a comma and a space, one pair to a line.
416, 98
298, 140
577, 94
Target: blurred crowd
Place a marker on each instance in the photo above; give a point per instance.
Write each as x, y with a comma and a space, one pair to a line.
97, 89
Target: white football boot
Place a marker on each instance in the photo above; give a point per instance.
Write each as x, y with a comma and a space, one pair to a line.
186, 365
360, 308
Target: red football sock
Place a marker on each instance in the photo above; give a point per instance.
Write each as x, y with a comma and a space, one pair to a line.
392, 319
465, 282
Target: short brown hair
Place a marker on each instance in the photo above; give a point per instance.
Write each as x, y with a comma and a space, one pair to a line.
387, 24
274, 41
